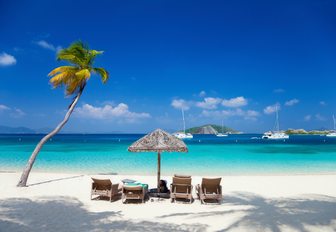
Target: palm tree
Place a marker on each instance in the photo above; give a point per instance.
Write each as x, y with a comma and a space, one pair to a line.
74, 79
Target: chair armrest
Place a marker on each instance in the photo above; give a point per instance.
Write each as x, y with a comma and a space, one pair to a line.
172, 189
220, 189
115, 188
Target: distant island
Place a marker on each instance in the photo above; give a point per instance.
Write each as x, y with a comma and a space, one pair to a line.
211, 129
16, 130
22, 130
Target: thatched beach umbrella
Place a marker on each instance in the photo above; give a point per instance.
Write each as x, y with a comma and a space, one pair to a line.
158, 141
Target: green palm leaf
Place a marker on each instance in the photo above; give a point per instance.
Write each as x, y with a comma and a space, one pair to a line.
75, 77
103, 73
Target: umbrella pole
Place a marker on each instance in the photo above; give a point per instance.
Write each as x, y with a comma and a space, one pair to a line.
158, 174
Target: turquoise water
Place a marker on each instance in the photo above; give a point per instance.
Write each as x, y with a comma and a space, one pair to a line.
208, 155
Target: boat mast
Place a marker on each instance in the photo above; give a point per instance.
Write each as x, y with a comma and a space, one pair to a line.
183, 120
222, 126
277, 119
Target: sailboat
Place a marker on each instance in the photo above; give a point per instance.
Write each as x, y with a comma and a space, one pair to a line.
221, 134
332, 134
183, 135
277, 134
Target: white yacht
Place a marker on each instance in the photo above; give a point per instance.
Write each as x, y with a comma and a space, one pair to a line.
221, 134
332, 134
277, 134
183, 135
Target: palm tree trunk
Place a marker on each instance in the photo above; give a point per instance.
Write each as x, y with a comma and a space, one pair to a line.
29, 166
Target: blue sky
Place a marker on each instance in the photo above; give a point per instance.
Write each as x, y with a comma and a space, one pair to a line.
220, 60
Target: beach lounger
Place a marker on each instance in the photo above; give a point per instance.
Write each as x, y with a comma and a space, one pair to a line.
134, 192
210, 190
104, 188
182, 176
181, 188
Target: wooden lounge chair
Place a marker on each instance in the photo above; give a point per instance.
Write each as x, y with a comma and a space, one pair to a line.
181, 188
133, 192
181, 176
210, 190
104, 188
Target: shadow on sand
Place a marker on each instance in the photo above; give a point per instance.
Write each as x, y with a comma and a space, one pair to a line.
54, 180
68, 214
257, 214
264, 214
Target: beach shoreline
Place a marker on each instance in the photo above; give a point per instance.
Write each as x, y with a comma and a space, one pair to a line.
256, 174
250, 203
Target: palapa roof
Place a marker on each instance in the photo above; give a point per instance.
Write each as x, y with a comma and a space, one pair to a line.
158, 141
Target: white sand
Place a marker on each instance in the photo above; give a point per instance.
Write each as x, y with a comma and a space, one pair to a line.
61, 202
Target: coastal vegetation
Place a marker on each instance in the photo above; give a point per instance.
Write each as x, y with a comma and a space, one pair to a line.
74, 78
304, 132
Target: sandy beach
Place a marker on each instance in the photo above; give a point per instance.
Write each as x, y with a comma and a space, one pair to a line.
61, 202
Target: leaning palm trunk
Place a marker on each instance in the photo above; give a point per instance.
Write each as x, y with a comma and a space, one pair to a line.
29, 166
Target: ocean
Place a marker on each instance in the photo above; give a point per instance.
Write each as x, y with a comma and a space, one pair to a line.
243, 154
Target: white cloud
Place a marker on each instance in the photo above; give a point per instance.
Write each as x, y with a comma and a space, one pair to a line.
3, 108
13, 112
319, 117
17, 113
307, 118
323, 103
209, 103
107, 111
44, 44
278, 90
202, 93
252, 113
181, 104
6, 59
235, 102
292, 102
246, 114
272, 108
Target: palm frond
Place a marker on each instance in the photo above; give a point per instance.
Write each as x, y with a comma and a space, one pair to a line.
62, 78
76, 53
73, 86
103, 73
62, 69
95, 52
74, 77
83, 74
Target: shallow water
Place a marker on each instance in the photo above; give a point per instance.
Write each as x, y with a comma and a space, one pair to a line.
208, 155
